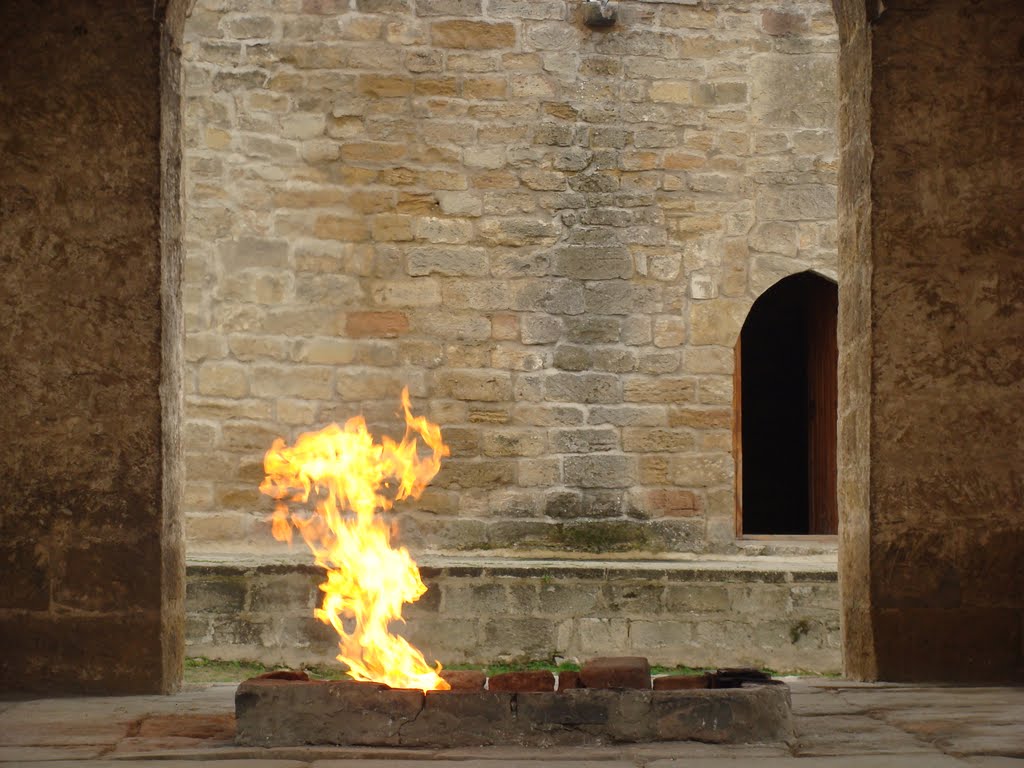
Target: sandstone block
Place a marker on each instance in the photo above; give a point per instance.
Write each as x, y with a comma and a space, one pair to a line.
248, 252
665, 502
717, 321
493, 473
793, 91
387, 325
487, 386
311, 382
518, 442
659, 390
672, 91
582, 387
656, 440
778, 22
584, 440
797, 203
592, 262
599, 471
223, 380
472, 35
448, 8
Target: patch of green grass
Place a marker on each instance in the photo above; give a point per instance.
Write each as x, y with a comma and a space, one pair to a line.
201, 670
679, 669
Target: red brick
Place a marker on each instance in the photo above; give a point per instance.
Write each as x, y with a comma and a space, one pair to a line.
385, 325
616, 672
464, 679
681, 682
539, 681
568, 680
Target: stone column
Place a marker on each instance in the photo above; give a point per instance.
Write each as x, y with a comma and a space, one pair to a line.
933, 315
91, 551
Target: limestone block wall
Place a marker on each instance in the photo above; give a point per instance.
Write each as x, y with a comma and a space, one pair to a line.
780, 615
551, 234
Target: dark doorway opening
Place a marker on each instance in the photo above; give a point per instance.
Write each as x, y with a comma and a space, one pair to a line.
786, 391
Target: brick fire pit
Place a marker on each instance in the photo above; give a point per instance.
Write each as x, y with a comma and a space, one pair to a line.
609, 701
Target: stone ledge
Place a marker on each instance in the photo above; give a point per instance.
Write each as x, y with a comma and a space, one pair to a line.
763, 612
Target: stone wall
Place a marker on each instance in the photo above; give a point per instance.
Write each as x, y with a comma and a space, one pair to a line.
551, 234
91, 560
763, 612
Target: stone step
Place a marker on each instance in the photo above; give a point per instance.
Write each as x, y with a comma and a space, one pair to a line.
779, 613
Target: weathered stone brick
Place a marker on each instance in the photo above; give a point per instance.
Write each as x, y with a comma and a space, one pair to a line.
476, 474
590, 329
223, 380
669, 331
701, 418
474, 35
718, 321
585, 440
488, 386
540, 328
572, 358
700, 470
376, 324
659, 390
582, 387
779, 22
514, 442
539, 473
600, 471
341, 228
664, 502
656, 439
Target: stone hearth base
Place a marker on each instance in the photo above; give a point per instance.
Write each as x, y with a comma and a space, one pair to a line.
283, 712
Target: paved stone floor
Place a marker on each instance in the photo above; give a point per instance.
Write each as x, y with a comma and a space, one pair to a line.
839, 725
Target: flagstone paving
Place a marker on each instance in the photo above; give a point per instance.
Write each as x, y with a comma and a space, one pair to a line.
838, 725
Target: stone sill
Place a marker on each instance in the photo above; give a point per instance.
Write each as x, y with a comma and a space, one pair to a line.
810, 567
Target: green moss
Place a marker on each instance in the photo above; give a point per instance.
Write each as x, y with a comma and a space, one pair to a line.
202, 670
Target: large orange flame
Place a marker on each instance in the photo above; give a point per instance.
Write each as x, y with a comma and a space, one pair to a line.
350, 477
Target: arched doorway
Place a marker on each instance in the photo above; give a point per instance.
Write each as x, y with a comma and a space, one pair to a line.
786, 391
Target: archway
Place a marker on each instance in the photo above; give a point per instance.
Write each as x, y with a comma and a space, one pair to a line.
786, 410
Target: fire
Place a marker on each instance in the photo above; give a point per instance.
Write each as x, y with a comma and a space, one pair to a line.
350, 478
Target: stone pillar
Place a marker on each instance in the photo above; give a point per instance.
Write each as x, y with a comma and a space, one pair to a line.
91, 552
933, 529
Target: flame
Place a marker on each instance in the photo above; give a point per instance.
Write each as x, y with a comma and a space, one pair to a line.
350, 477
